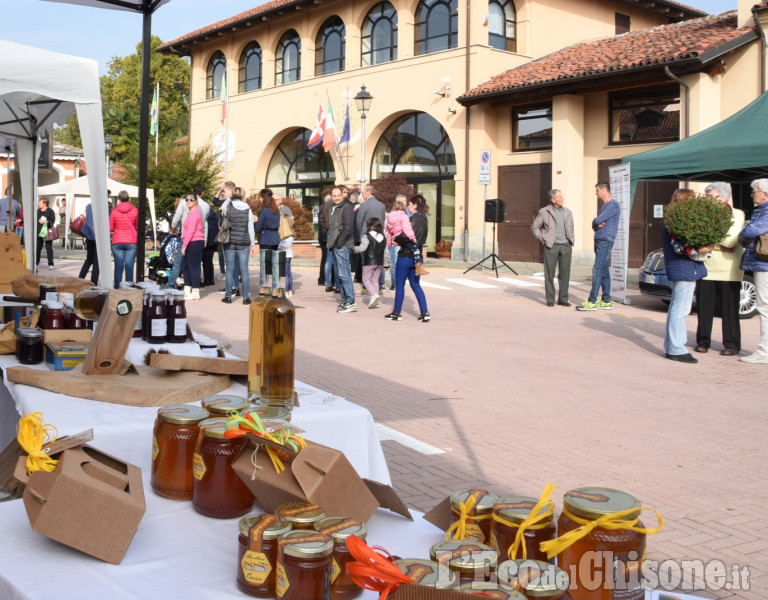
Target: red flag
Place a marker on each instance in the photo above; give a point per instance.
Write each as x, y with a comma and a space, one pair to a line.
317, 132
224, 98
329, 136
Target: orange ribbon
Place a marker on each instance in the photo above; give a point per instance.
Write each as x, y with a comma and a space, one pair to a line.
374, 568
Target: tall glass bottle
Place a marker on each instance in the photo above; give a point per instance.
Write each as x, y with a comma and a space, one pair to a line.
278, 347
256, 331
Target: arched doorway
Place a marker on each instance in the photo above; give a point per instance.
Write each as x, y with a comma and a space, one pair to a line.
305, 172
417, 148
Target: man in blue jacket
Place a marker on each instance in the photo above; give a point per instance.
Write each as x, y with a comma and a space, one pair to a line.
605, 226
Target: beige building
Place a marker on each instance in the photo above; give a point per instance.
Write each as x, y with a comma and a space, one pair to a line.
556, 90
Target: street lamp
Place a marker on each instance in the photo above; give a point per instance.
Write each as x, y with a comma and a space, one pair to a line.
108, 143
363, 102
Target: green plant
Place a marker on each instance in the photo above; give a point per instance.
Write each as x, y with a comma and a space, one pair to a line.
698, 220
443, 246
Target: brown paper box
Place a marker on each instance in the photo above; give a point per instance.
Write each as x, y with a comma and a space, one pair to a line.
319, 475
93, 502
440, 515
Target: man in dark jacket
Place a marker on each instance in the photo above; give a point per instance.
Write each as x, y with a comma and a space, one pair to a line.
341, 229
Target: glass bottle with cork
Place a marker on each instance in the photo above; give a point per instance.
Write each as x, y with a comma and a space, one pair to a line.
256, 333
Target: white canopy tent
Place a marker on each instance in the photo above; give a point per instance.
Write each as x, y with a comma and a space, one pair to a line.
39, 88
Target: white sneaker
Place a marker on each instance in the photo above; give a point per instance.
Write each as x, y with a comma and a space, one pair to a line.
755, 358
374, 303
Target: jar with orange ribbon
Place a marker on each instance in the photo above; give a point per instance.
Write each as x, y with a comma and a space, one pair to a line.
471, 515
257, 553
304, 566
340, 528
602, 544
519, 525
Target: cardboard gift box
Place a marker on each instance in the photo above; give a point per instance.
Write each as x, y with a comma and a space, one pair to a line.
92, 502
317, 474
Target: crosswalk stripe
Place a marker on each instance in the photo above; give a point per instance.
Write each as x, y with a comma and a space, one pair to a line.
387, 433
518, 282
434, 286
541, 278
473, 284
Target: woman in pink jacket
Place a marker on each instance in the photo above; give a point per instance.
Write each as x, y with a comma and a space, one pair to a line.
123, 223
192, 246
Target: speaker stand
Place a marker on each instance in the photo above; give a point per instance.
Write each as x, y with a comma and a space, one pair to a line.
493, 258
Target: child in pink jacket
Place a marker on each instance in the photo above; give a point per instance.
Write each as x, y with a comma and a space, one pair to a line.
398, 222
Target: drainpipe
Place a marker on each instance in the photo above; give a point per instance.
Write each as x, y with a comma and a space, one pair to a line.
466, 140
763, 40
687, 98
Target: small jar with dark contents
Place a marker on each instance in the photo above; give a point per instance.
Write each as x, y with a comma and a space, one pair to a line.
340, 528
534, 579
257, 553
54, 316
469, 560
509, 513
301, 515
304, 566
29, 345
477, 524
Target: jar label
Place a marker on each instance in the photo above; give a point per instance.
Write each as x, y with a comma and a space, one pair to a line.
281, 580
155, 448
159, 328
180, 327
198, 466
256, 567
335, 570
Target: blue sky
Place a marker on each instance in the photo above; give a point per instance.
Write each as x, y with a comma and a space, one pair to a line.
100, 33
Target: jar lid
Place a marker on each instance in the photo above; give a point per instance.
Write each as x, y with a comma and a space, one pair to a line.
517, 508
270, 413
463, 555
535, 578
158, 293
207, 342
307, 544
340, 528
69, 303
214, 428
594, 502
484, 500
224, 404
54, 305
273, 531
182, 414
489, 589
300, 512
65, 297
427, 572
30, 333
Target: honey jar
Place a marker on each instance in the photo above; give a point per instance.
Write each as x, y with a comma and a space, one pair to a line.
508, 515
489, 590
470, 561
301, 515
471, 515
428, 572
257, 553
270, 413
218, 492
605, 563
534, 579
340, 528
222, 405
173, 446
303, 569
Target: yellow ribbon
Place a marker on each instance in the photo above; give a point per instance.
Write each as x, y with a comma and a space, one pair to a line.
460, 526
284, 437
32, 435
610, 521
532, 521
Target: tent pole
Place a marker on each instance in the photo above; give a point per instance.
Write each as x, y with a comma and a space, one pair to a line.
141, 230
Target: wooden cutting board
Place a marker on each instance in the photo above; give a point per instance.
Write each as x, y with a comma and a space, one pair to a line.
146, 387
175, 362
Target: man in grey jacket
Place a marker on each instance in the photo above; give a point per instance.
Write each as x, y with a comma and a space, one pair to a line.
553, 227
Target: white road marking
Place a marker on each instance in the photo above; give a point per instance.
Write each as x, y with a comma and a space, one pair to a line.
517, 282
473, 284
387, 433
434, 286
541, 277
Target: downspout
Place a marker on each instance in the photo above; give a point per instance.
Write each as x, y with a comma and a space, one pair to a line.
466, 139
687, 98
762, 49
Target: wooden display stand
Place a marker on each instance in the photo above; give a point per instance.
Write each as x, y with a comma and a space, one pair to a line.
114, 332
11, 261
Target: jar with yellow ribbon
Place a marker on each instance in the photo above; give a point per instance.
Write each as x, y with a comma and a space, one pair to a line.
520, 524
469, 560
471, 515
602, 544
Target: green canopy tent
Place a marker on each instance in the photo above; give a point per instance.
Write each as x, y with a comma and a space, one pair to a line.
734, 150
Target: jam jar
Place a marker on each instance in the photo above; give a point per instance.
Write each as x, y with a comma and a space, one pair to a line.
534, 579
470, 561
173, 446
301, 515
54, 316
257, 553
340, 528
478, 521
304, 566
611, 557
429, 573
508, 513
29, 345
489, 590
218, 491
223, 405
157, 318
71, 319
177, 317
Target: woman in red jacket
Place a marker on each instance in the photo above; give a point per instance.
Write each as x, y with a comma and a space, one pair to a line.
123, 223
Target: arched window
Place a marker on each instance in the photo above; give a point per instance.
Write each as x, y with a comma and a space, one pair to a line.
330, 45
501, 25
288, 58
437, 26
217, 67
250, 68
379, 41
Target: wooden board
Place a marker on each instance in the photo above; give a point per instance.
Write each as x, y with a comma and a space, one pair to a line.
11, 261
116, 327
146, 387
173, 362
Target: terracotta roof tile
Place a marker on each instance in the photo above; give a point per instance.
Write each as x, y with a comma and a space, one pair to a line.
665, 44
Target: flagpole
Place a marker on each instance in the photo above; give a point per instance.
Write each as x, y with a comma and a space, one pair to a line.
157, 129
226, 126
336, 145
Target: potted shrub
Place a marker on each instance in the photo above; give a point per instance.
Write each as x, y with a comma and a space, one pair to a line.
443, 248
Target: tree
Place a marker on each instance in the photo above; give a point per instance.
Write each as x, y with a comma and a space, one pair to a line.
390, 186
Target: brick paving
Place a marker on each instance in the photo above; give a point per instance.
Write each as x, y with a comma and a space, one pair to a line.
518, 394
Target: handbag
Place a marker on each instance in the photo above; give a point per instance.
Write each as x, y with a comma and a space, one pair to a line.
284, 230
224, 227
761, 247
76, 226
53, 234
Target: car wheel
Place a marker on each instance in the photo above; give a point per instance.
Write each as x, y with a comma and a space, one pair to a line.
747, 298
